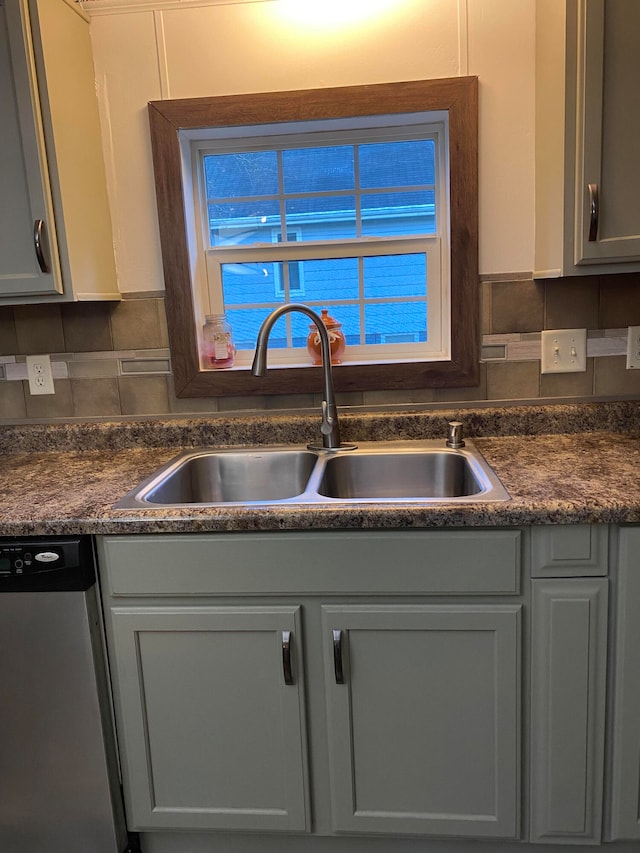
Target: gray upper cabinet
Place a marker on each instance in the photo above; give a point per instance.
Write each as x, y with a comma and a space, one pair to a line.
211, 717
625, 788
587, 127
56, 240
424, 722
24, 174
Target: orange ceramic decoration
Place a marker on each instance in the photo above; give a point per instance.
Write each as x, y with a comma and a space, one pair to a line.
337, 341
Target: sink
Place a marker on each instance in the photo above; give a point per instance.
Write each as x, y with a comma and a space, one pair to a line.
422, 472
244, 476
439, 474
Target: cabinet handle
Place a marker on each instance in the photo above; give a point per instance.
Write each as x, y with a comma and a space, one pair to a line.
287, 637
337, 657
594, 212
41, 244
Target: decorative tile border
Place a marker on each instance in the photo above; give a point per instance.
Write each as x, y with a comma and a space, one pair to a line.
526, 346
105, 364
157, 362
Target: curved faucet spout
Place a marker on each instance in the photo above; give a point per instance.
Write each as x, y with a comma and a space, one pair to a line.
329, 427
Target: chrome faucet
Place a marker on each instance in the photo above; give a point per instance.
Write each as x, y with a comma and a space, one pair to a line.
329, 427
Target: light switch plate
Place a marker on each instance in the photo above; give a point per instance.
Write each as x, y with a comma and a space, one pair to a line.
564, 351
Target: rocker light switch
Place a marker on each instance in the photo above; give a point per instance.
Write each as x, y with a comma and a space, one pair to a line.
564, 351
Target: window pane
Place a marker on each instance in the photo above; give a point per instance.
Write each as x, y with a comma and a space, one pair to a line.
323, 218
312, 170
249, 173
241, 223
246, 325
248, 284
394, 214
331, 279
299, 328
349, 316
397, 164
296, 280
395, 276
395, 322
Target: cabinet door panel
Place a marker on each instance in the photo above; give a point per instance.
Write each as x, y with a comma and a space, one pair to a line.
625, 793
425, 728
213, 736
568, 684
24, 175
607, 152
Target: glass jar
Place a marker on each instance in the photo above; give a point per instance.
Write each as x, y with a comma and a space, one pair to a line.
217, 341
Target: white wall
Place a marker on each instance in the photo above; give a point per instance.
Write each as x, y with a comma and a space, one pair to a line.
189, 48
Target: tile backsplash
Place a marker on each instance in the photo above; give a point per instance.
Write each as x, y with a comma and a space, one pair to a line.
112, 359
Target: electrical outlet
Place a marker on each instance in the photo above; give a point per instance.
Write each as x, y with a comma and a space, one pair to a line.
40, 374
633, 347
564, 351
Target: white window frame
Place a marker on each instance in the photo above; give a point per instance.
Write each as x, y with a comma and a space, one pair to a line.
209, 260
280, 284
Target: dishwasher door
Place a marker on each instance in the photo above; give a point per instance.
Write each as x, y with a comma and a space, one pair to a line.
59, 785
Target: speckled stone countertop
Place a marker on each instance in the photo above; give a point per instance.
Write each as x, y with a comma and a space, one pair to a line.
560, 464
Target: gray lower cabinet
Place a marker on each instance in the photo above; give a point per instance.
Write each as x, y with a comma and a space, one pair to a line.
212, 716
372, 683
625, 787
424, 725
248, 696
568, 689
423, 708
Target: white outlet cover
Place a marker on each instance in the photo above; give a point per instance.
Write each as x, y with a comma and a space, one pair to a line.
40, 375
563, 351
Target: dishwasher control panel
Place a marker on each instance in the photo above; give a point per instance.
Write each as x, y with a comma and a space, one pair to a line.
53, 563
25, 559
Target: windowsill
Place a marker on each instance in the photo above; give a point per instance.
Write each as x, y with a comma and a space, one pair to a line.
244, 366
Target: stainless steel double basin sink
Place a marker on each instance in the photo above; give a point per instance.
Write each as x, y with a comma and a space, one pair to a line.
418, 472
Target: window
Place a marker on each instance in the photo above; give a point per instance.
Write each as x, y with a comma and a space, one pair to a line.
362, 200
370, 207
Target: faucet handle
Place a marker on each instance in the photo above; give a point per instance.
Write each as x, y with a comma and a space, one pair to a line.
455, 431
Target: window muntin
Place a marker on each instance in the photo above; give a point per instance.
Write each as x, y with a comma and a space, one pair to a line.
337, 201
289, 277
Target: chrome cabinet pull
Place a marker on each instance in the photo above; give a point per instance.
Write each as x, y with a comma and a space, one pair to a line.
287, 638
594, 212
337, 656
41, 244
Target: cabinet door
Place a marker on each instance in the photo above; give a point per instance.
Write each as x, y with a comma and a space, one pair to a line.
210, 717
424, 718
608, 130
24, 178
625, 793
568, 687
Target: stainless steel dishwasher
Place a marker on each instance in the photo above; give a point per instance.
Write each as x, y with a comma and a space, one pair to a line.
59, 781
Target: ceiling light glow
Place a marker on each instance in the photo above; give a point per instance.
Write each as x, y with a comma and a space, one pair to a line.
333, 13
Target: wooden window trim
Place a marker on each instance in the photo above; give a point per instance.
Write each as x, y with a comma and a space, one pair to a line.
457, 95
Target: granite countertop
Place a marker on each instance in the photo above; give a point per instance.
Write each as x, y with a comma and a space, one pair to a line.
560, 464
